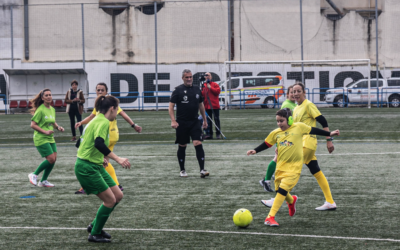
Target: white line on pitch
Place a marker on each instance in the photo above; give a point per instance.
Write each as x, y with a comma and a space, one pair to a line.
241, 155
210, 232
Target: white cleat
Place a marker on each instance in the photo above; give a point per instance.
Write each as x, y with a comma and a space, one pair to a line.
45, 183
327, 206
183, 173
33, 179
268, 203
204, 173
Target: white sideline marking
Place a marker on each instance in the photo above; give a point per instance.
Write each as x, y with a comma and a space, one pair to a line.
152, 143
206, 231
232, 156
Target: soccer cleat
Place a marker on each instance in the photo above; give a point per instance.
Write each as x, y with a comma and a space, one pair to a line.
45, 183
103, 233
271, 222
266, 185
218, 137
326, 207
183, 173
292, 207
268, 203
73, 138
33, 179
121, 188
98, 238
204, 173
80, 191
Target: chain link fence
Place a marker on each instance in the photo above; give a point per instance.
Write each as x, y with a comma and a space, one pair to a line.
140, 49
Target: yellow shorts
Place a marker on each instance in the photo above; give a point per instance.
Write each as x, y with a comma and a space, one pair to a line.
309, 155
286, 180
111, 145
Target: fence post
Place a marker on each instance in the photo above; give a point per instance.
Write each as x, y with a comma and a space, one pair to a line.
377, 62
12, 38
301, 35
156, 52
83, 36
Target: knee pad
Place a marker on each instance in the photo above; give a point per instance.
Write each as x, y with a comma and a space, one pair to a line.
282, 192
313, 167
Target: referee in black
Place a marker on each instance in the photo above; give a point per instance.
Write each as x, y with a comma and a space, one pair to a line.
188, 101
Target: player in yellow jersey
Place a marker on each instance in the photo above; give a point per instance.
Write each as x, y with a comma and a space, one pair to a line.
102, 90
289, 138
309, 114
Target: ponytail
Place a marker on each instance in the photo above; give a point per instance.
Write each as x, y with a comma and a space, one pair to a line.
103, 103
37, 101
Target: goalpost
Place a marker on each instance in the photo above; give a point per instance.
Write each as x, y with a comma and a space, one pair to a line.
249, 82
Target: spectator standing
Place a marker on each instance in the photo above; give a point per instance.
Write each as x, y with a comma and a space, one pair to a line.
210, 92
75, 100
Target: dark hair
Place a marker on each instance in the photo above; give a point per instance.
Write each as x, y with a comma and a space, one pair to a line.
288, 90
103, 103
285, 113
74, 81
37, 101
301, 85
102, 84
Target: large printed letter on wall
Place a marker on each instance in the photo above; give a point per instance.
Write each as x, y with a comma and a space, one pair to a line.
132, 87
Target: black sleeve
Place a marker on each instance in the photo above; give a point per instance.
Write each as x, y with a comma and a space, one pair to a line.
263, 146
317, 131
321, 120
174, 96
201, 98
99, 144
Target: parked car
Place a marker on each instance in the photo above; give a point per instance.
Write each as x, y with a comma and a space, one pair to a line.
387, 92
252, 90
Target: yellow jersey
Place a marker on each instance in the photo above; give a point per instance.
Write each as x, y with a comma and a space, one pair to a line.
114, 133
290, 146
306, 113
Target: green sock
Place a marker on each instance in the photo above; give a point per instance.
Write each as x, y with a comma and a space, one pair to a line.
270, 171
44, 165
101, 218
47, 172
94, 221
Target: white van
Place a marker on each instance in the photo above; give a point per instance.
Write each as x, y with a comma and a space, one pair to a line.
254, 90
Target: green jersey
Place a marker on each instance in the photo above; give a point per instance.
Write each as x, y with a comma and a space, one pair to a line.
45, 119
288, 104
98, 127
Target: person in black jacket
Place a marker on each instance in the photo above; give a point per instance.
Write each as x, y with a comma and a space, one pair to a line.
188, 101
75, 100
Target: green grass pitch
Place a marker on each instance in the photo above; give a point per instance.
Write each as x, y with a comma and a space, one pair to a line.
160, 210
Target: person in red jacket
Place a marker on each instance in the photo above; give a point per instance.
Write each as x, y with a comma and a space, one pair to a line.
210, 92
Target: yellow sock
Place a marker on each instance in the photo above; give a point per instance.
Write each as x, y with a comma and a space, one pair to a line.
279, 199
323, 183
289, 198
111, 171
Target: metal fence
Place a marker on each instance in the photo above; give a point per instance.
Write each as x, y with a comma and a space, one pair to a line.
117, 39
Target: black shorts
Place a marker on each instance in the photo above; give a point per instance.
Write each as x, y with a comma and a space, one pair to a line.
187, 130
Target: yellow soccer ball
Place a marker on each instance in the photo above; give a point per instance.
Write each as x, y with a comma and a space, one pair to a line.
242, 217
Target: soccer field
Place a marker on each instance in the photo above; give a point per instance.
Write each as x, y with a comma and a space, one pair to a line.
160, 210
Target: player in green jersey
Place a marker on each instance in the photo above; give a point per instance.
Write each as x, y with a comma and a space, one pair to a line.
93, 157
266, 182
43, 122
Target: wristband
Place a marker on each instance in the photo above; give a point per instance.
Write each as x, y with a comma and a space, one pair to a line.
133, 125
330, 139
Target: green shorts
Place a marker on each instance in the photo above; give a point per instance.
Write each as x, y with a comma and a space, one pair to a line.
93, 178
47, 149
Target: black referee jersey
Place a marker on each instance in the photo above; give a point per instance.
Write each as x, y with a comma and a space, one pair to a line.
187, 100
